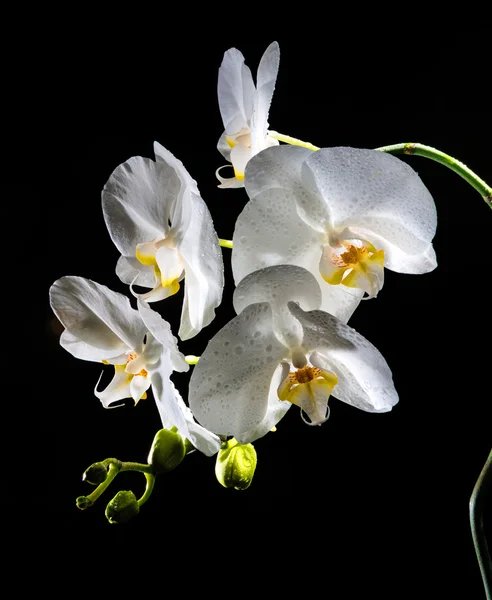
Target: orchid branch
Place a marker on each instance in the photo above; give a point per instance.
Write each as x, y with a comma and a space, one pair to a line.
477, 501
418, 149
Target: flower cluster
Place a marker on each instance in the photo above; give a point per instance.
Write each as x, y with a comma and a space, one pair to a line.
314, 238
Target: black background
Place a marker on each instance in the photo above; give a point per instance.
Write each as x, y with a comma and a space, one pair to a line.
372, 504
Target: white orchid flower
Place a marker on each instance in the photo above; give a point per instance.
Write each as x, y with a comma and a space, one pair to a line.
342, 213
275, 354
244, 109
101, 326
158, 221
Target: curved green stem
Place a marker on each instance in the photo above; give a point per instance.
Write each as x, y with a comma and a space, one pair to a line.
225, 243
150, 479
291, 140
113, 470
444, 159
133, 466
420, 150
477, 502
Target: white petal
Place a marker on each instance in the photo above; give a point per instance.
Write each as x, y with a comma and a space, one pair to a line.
161, 331
82, 350
138, 386
406, 255
174, 412
204, 270
276, 410
165, 393
228, 182
118, 389
169, 265
240, 156
203, 439
362, 187
137, 201
182, 207
270, 232
229, 387
223, 147
364, 377
278, 285
279, 166
96, 315
235, 91
132, 271
265, 85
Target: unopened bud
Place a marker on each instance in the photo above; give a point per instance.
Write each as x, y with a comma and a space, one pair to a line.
167, 451
83, 502
122, 507
235, 465
95, 474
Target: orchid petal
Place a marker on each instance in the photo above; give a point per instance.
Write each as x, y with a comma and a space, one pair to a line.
202, 258
276, 167
269, 232
170, 265
161, 331
96, 315
276, 410
229, 387
235, 92
181, 211
173, 411
265, 85
228, 182
137, 201
277, 285
240, 155
224, 147
364, 377
406, 255
118, 389
131, 271
376, 191
138, 386
82, 350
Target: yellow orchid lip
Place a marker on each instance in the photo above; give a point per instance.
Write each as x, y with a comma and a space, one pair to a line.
359, 266
309, 388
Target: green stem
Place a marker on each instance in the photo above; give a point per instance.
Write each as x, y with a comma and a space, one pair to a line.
150, 480
444, 159
225, 243
420, 150
133, 466
113, 470
477, 502
191, 359
291, 140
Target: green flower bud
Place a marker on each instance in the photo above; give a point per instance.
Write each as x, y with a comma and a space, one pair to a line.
95, 474
236, 464
122, 507
83, 502
167, 451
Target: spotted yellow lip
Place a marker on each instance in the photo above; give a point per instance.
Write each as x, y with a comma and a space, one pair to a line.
309, 388
357, 267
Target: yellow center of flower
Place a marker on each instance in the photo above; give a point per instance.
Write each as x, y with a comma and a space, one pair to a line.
358, 266
309, 388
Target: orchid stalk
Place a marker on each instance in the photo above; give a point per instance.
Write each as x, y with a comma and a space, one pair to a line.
411, 148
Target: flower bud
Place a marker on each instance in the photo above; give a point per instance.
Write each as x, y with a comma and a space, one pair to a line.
95, 474
167, 451
83, 502
122, 507
236, 464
